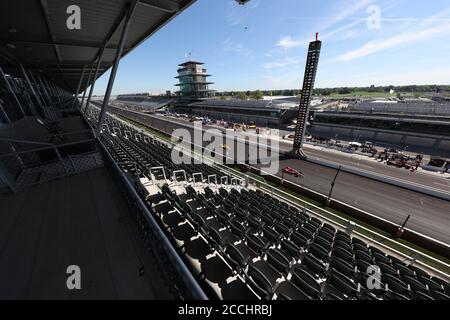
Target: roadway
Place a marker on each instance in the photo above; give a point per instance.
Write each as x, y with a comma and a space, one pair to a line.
429, 215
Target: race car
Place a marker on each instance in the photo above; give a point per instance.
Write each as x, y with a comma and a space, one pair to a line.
293, 172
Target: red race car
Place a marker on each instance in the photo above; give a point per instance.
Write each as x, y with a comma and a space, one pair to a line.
293, 172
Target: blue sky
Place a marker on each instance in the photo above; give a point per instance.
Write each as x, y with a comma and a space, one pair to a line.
262, 45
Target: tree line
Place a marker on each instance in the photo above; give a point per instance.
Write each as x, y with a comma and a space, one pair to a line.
258, 94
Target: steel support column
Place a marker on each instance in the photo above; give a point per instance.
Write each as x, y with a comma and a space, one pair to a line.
112, 77
7, 178
87, 84
99, 61
79, 86
4, 114
37, 89
11, 90
44, 88
30, 86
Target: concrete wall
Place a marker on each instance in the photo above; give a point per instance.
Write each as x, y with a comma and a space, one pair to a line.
413, 142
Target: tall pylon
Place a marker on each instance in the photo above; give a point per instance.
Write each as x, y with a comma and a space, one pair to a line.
312, 63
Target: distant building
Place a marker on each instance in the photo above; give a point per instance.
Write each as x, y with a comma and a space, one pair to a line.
193, 82
260, 112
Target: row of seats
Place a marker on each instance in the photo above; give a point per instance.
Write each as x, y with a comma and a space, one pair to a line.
285, 253
129, 147
268, 247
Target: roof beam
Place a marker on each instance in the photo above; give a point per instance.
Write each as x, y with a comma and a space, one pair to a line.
46, 14
165, 6
94, 45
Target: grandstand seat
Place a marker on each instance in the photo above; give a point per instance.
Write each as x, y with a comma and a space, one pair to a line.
322, 242
305, 232
319, 252
386, 269
434, 286
381, 258
237, 228
419, 272
196, 249
363, 256
343, 266
290, 248
299, 239
395, 284
257, 243
343, 245
163, 208
362, 248
310, 227
282, 229
377, 251
255, 224
182, 232
237, 290
271, 235
306, 282
278, 260
215, 270
440, 295
342, 236
324, 233
314, 265
445, 284
343, 284
288, 291
239, 255
415, 285
220, 236
261, 279
343, 254
404, 270
329, 228
172, 219
419, 295
289, 223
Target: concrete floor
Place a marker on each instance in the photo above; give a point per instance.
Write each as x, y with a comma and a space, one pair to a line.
77, 220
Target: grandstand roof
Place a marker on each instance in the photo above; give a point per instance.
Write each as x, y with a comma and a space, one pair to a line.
189, 63
35, 34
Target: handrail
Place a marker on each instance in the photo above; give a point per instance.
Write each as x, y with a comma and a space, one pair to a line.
48, 146
186, 275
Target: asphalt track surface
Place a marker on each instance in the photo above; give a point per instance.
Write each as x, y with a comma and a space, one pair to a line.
429, 215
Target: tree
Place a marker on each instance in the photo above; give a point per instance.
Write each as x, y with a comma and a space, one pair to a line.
257, 95
241, 96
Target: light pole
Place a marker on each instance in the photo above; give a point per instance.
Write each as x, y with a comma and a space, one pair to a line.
332, 186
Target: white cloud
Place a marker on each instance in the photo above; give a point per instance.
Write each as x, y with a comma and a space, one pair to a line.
289, 80
406, 38
346, 11
238, 48
288, 42
281, 64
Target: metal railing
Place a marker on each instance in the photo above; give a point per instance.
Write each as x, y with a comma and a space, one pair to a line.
179, 279
34, 162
